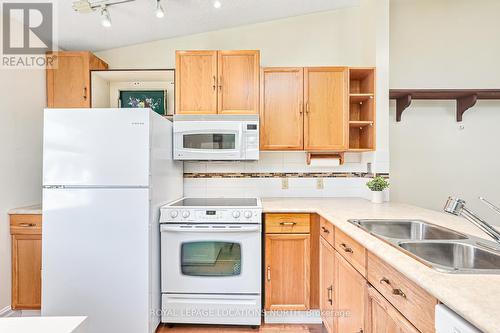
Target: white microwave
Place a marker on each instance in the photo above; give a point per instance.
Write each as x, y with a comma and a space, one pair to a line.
216, 137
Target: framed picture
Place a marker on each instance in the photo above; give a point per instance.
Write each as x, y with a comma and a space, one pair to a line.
154, 99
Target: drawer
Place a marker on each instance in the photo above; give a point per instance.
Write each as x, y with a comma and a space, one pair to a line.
326, 230
287, 223
412, 301
26, 224
351, 250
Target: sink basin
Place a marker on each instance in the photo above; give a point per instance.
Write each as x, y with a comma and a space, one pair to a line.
408, 230
455, 256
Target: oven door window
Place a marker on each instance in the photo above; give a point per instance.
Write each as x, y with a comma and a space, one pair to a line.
211, 259
209, 141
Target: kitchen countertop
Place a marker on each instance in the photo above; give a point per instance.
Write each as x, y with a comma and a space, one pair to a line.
43, 325
29, 210
474, 296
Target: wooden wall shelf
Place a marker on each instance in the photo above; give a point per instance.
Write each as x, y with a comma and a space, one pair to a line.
466, 98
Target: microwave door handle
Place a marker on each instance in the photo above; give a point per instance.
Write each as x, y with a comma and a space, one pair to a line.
167, 228
242, 141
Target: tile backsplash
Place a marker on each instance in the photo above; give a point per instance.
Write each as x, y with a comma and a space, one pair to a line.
277, 174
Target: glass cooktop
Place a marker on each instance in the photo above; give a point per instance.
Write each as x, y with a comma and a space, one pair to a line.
216, 202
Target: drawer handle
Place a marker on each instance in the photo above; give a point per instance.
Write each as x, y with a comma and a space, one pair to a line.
288, 223
268, 273
385, 280
325, 230
346, 248
330, 294
398, 292
395, 291
27, 224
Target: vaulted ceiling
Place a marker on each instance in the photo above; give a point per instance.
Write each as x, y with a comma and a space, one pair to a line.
135, 22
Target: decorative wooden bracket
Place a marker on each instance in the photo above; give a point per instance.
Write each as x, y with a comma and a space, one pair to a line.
339, 155
465, 98
401, 104
464, 104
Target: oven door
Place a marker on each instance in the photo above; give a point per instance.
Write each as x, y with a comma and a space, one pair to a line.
208, 140
211, 259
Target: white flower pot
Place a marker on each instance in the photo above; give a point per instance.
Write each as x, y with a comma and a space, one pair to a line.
377, 197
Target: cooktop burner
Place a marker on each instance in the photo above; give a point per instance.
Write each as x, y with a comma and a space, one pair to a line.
216, 202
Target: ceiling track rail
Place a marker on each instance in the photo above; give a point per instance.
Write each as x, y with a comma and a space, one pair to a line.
465, 98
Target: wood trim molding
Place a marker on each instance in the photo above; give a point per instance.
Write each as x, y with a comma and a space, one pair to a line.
465, 98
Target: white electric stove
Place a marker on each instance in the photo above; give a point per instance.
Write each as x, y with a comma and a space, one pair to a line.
211, 261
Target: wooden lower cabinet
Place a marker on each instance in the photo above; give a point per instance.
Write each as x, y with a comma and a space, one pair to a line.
26, 261
350, 297
382, 317
326, 284
287, 278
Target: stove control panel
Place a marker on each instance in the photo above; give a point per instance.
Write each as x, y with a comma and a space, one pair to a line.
200, 215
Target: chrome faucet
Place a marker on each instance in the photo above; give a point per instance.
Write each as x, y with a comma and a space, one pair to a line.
457, 207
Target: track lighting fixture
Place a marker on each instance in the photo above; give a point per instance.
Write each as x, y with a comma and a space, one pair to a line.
105, 18
159, 12
89, 6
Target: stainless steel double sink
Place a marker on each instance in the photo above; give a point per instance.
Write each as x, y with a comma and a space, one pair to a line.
443, 249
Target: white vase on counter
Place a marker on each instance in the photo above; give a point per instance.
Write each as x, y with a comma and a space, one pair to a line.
377, 197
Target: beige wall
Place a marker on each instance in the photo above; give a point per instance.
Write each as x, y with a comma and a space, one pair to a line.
323, 39
445, 44
22, 94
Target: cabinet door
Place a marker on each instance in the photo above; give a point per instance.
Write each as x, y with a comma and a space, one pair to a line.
326, 284
238, 82
350, 296
196, 82
326, 121
26, 271
281, 109
382, 317
68, 81
287, 272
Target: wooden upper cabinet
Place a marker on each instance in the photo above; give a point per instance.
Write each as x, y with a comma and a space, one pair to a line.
287, 278
238, 82
350, 294
281, 109
209, 82
196, 82
326, 97
68, 78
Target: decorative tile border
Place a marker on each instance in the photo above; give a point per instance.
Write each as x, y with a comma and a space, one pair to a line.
284, 175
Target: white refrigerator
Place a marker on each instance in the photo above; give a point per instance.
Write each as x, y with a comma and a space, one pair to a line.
106, 172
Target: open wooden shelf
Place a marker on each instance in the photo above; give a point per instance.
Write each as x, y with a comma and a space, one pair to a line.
362, 80
360, 123
359, 98
466, 98
361, 109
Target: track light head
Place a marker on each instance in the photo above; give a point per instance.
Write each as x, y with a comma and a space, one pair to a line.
159, 11
105, 17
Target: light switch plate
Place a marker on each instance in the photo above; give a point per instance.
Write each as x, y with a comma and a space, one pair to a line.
319, 184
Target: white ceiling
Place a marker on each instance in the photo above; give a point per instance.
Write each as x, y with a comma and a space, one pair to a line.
135, 22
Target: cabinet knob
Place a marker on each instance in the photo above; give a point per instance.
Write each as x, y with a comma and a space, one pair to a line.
291, 224
27, 224
346, 248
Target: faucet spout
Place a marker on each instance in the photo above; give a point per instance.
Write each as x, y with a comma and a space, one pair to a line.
457, 207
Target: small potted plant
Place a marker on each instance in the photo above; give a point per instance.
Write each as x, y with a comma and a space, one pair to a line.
377, 185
